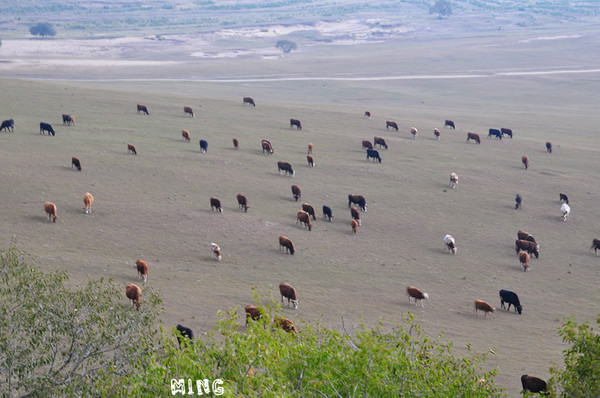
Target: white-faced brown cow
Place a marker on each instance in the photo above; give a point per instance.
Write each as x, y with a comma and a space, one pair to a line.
524, 260
416, 294
358, 200
311, 160
134, 293
414, 132
527, 246
287, 291
473, 136
252, 312
285, 324
304, 218
354, 225
286, 168
286, 243
142, 269
186, 135
216, 250
242, 202
215, 204
88, 199
266, 146
481, 305
522, 235
310, 148
187, 110
392, 124
297, 192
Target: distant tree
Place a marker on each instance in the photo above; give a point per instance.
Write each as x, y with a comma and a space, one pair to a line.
42, 29
442, 8
286, 45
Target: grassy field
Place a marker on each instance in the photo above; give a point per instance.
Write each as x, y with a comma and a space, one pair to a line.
155, 205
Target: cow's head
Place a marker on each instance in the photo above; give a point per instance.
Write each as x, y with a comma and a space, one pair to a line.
519, 309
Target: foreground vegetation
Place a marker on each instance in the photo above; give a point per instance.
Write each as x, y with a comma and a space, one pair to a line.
59, 341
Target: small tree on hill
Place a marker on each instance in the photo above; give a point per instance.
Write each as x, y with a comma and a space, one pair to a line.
286, 45
42, 29
442, 8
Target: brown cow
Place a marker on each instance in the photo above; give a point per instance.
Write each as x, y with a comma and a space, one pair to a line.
417, 294
134, 293
525, 161
287, 243
366, 144
481, 305
287, 291
380, 141
266, 146
216, 249
187, 110
236, 143
249, 101
142, 109
215, 204
473, 136
75, 163
242, 202
310, 160
142, 269
414, 132
88, 199
252, 312
286, 168
295, 122
285, 324
304, 218
533, 384
131, 149
529, 247
357, 200
310, 210
310, 148
392, 124
297, 192
355, 213
524, 260
522, 235
186, 135
354, 225
50, 209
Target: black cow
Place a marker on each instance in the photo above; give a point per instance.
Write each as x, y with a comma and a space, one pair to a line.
533, 384
142, 109
75, 163
511, 298
295, 122
449, 123
563, 198
549, 147
358, 200
595, 245
529, 247
9, 125
46, 127
249, 101
327, 212
506, 131
185, 332
495, 133
518, 200
203, 146
285, 167
372, 153
392, 124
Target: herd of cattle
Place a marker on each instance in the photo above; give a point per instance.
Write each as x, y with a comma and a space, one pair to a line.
525, 245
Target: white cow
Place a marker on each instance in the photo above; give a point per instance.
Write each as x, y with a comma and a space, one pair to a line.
450, 243
453, 180
565, 209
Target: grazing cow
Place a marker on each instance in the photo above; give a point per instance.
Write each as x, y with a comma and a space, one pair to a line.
285, 324
68, 119
215, 204
367, 115
134, 293
417, 294
481, 305
565, 209
595, 245
548, 147
366, 144
131, 149
297, 192
236, 143
287, 243
524, 260
525, 161
522, 235
527, 246
142, 109
304, 218
414, 132
242, 202
437, 134
473, 136
310, 210
392, 124
450, 124
563, 198
88, 199
186, 135
357, 200
450, 243
75, 163
249, 101
506, 131
310, 160
453, 180
372, 153
252, 312
187, 110
285, 167
354, 226
310, 148
518, 200
355, 214
142, 269
495, 133
380, 141
327, 212
216, 249
511, 298
295, 122
287, 291
184, 333
533, 384
46, 127
203, 146
9, 125
50, 209
266, 146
